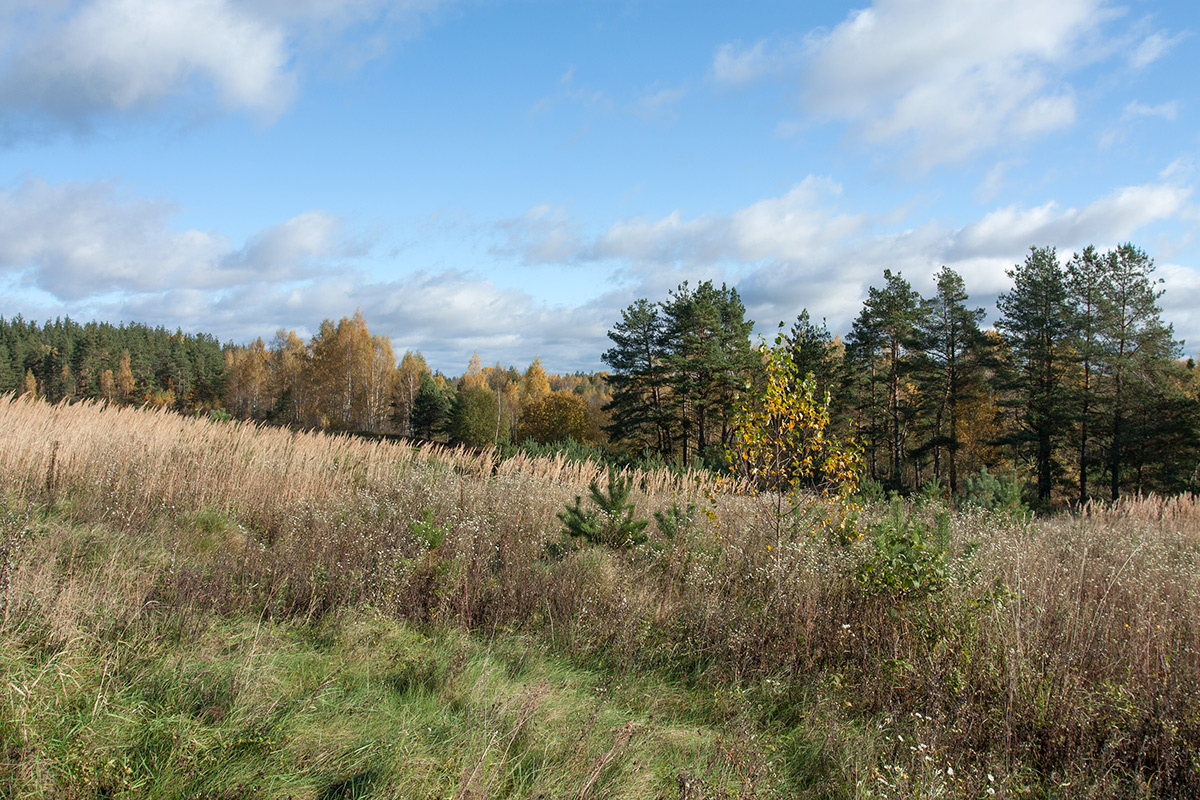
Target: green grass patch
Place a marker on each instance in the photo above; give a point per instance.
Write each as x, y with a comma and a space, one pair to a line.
353, 705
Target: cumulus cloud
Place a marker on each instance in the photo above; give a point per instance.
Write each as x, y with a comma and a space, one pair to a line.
78, 240
121, 55
92, 251
803, 220
955, 77
447, 315
1112, 218
805, 225
944, 78
76, 62
275, 252
799, 250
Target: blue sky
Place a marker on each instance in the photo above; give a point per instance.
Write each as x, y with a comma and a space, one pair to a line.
505, 176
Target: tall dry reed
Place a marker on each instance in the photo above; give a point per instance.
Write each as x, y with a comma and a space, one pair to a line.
1057, 651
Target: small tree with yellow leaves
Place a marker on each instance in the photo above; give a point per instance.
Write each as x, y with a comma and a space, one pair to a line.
784, 453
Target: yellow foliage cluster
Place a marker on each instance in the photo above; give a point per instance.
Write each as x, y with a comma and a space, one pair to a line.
782, 445
555, 417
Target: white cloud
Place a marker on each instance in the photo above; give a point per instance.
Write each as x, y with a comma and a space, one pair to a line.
1167, 111
1109, 220
798, 250
1152, 48
276, 251
800, 222
805, 226
795, 225
75, 62
91, 251
446, 315
943, 78
120, 55
954, 77
77, 240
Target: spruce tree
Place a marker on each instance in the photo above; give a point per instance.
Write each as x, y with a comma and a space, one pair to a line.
430, 410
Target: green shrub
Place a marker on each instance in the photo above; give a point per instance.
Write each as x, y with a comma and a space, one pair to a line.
611, 522
908, 556
995, 493
427, 532
675, 520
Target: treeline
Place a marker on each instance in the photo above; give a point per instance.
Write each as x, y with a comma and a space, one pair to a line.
347, 379
343, 379
1079, 393
63, 360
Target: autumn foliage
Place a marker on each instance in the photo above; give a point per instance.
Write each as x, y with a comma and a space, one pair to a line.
782, 440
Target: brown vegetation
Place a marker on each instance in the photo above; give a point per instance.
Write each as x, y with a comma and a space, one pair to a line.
1058, 656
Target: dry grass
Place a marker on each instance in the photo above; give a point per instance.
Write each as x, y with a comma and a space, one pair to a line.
1056, 654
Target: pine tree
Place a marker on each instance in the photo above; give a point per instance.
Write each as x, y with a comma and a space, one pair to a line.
813, 353
949, 368
1085, 275
709, 361
877, 365
639, 380
1038, 324
1138, 349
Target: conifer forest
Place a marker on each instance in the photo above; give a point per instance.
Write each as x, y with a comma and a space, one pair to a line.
1078, 392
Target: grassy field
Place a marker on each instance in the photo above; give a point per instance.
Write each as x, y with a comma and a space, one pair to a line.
199, 609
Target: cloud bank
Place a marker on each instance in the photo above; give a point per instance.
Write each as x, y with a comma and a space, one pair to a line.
90, 251
946, 79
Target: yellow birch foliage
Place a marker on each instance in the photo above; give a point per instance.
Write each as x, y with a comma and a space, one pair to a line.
781, 441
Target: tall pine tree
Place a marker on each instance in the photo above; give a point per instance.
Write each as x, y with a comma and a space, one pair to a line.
949, 370
878, 362
1038, 324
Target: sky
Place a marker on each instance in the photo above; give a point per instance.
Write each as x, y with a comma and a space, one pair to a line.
506, 176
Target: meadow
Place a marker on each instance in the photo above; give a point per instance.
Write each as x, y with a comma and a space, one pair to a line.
206, 609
